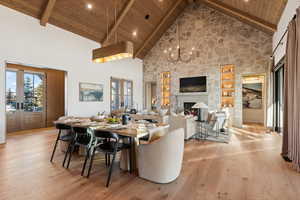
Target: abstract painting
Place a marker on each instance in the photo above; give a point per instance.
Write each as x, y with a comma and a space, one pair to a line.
252, 95
90, 92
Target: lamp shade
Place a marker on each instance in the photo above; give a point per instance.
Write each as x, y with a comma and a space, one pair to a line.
112, 52
200, 105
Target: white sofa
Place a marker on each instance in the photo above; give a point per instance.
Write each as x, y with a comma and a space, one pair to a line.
188, 123
217, 122
161, 119
160, 161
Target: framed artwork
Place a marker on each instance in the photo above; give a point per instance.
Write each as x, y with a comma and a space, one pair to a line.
90, 92
252, 95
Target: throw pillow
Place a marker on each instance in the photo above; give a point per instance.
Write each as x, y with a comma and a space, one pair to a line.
173, 114
156, 134
163, 112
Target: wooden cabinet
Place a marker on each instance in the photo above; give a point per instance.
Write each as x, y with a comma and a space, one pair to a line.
227, 85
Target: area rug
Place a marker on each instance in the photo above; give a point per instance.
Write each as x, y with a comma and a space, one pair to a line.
222, 137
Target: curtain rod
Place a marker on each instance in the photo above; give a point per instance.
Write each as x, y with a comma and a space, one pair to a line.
286, 31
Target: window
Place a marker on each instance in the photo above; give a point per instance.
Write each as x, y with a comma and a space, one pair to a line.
121, 94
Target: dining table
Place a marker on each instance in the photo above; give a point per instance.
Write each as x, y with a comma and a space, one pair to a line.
131, 132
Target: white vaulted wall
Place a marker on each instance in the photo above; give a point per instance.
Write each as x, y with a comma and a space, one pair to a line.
23, 40
288, 13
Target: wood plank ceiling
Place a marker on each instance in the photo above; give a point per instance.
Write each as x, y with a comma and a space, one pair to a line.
91, 23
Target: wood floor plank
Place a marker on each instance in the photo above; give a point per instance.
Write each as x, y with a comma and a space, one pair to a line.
249, 168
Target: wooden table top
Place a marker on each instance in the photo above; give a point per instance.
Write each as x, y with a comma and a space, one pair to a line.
127, 130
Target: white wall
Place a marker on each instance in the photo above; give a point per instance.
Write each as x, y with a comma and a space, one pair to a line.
23, 40
289, 12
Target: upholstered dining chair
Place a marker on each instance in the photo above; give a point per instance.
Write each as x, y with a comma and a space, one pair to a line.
160, 160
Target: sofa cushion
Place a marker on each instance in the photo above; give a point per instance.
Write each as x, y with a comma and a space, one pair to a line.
173, 114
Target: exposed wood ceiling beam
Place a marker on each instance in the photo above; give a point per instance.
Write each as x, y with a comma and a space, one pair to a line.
119, 21
47, 13
241, 15
156, 30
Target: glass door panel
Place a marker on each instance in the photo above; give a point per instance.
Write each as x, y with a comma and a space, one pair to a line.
11, 91
33, 92
33, 101
12, 101
115, 94
127, 94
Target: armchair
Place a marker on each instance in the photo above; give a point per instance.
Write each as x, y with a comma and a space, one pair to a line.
160, 161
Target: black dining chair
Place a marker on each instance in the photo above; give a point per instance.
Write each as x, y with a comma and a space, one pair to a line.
81, 139
65, 138
110, 146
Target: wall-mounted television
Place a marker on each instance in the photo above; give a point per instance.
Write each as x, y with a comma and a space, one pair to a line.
193, 84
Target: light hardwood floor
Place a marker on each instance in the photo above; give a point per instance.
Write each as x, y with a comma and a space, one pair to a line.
249, 168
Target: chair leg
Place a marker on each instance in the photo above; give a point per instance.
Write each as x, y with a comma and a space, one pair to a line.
85, 161
106, 160
91, 162
70, 154
111, 169
130, 155
54, 149
66, 154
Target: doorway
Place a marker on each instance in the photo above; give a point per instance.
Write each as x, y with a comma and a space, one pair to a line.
150, 96
254, 100
25, 100
35, 97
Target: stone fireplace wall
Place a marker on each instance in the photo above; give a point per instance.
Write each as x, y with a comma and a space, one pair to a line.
218, 40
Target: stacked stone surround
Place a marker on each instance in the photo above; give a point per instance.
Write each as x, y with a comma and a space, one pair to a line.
218, 40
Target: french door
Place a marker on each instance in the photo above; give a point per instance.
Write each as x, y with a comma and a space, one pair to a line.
25, 100
121, 94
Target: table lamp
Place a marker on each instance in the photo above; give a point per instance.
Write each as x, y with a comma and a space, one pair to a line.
200, 106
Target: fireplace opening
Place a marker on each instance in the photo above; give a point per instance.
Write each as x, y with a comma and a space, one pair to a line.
187, 106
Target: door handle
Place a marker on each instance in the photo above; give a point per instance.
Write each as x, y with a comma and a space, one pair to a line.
18, 106
22, 106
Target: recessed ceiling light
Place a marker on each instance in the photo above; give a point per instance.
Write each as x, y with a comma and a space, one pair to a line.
134, 33
246, 1
89, 6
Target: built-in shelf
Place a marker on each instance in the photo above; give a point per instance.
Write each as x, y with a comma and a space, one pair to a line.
227, 85
165, 78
